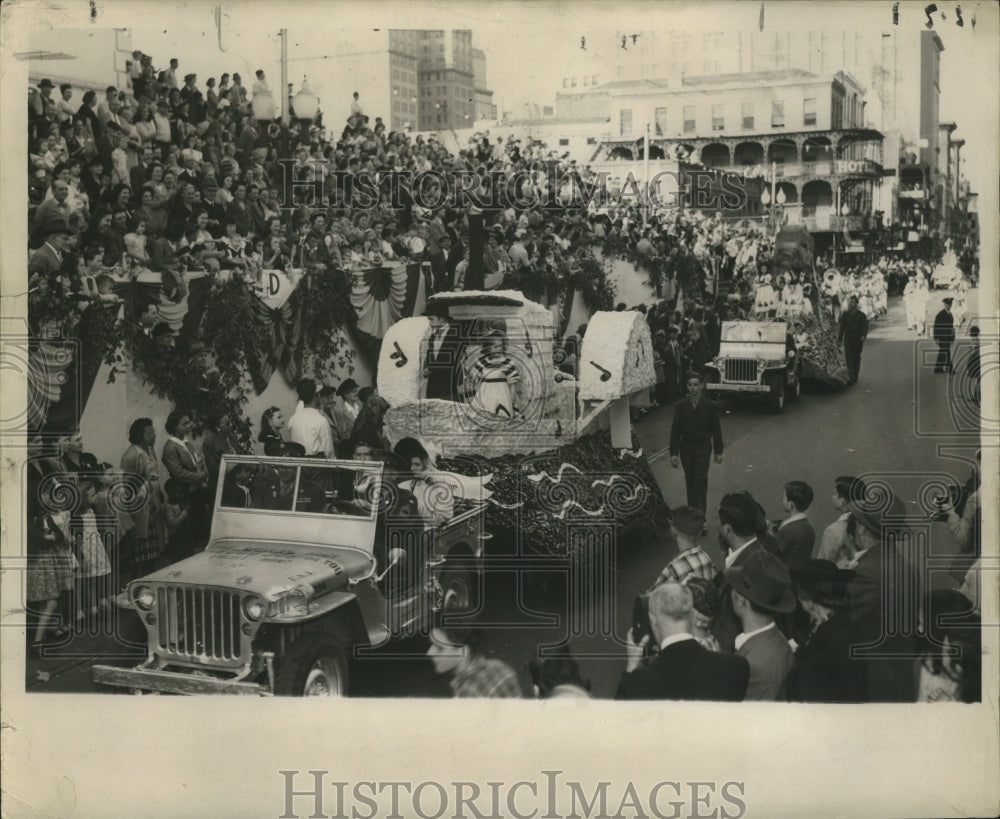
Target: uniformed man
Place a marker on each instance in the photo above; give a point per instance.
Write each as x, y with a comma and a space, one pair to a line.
852, 333
695, 432
944, 335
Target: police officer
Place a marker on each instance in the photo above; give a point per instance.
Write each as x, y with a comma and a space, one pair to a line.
852, 332
695, 431
944, 335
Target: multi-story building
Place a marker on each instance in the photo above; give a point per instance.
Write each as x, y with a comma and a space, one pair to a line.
413, 78
446, 79
901, 71
804, 134
483, 107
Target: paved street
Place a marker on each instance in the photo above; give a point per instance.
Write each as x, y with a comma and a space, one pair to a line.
869, 429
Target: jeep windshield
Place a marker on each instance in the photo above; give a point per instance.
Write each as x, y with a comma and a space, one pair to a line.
300, 486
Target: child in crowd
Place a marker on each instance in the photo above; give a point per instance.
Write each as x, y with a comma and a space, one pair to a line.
175, 512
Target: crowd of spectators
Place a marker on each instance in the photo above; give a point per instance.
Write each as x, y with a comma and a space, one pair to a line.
170, 176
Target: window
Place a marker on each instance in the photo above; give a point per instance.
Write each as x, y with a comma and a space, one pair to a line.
809, 111
593, 80
625, 122
563, 141
777, 113
660, 118
689, 122
718, 117
747, 115
573, 82
565, 82
591, 140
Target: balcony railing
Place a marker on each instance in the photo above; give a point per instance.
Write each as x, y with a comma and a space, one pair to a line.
813, 170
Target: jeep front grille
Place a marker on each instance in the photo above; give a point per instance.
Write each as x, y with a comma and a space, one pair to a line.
742, 369
200, 624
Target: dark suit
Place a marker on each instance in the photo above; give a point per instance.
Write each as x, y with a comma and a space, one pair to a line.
442, 365
824, 670
944, 335
687, 671
727, 625
795, 542
770, 659
852, 332
693, 434
876, 580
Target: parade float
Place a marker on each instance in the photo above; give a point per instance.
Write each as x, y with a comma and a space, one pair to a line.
820, 356
565, 470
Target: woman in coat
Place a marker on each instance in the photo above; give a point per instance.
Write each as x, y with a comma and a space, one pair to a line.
187, 465
824, 670
140, 460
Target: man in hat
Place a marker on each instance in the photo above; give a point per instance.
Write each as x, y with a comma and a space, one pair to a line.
692, 561
48, 259
852, 332
883, 574
441, 360
944, 335
56, 210
308, 426
683, 669
760, 590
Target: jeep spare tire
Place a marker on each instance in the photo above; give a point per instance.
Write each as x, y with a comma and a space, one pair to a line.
315, 666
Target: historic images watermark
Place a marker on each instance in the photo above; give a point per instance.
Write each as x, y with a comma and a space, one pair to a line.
316, 795
543, 185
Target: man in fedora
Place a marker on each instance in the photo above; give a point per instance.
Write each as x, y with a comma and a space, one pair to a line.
762, 589
883, 574
48, 259
683, 669
944, 335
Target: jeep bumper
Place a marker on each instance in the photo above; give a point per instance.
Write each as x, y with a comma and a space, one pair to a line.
170, 682
737, 388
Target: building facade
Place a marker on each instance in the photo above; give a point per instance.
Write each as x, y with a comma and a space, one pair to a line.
804, 135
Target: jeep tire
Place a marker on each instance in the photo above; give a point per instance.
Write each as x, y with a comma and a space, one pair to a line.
776, 394
315, 666
458, 592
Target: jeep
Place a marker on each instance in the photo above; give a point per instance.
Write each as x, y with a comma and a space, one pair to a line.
756, 357
308, 561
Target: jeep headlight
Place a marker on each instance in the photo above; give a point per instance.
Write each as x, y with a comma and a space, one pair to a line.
144, 597
294, 602
720, 362
761, 365
254, 607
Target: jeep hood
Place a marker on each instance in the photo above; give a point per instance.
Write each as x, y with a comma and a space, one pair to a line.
267, 568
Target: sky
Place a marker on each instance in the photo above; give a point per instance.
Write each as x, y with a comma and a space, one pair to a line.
531, 46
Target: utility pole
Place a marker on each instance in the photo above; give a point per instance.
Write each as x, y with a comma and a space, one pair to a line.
283, 88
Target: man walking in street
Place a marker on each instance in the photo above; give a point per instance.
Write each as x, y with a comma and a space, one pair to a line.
852, 333
944, 335
695, 431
